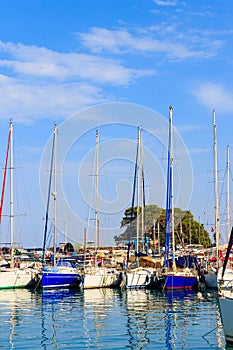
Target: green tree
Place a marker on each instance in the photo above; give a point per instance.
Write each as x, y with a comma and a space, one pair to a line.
187, 229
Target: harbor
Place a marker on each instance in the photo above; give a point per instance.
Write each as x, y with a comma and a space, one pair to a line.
111, 316
116, 221
143, 269
109, 319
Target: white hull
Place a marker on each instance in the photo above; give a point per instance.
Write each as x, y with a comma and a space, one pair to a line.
227, 279
101, 278
137, 278
214, 279
16, 278
226, 310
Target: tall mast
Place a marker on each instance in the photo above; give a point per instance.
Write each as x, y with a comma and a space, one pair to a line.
228, 195
138, 188
172, 192
132, 205
11, 194
48, 199
181, 233
190, 231
141, 186
154, 238
158, 236
144, 242
54, 194
97, 189
169, 198
216, 188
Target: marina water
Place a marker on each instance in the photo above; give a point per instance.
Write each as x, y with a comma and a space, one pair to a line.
109, 319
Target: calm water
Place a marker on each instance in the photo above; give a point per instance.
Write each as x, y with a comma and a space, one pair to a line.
108, 319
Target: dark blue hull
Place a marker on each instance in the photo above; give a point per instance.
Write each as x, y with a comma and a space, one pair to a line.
180, 282
56, 280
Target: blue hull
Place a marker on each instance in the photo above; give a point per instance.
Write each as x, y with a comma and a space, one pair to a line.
180, 282
57, 280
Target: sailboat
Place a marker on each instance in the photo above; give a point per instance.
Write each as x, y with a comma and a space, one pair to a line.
138, 277
211, 278
13, 277
226, 297
173, 279
95, 276
227, 269
228, 272
61, 274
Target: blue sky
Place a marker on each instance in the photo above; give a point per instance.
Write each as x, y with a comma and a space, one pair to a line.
58, 58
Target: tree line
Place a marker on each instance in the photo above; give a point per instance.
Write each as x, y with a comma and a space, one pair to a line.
187, 229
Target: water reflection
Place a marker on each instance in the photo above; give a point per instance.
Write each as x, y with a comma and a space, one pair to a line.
137, 320
12, 316
109, 319
48, 321
53, 304
177, 302
99, 312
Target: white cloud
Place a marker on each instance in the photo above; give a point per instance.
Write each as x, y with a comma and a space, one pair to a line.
168, 40
29, 101
43, 63
39, 82
165, 2
214, 96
